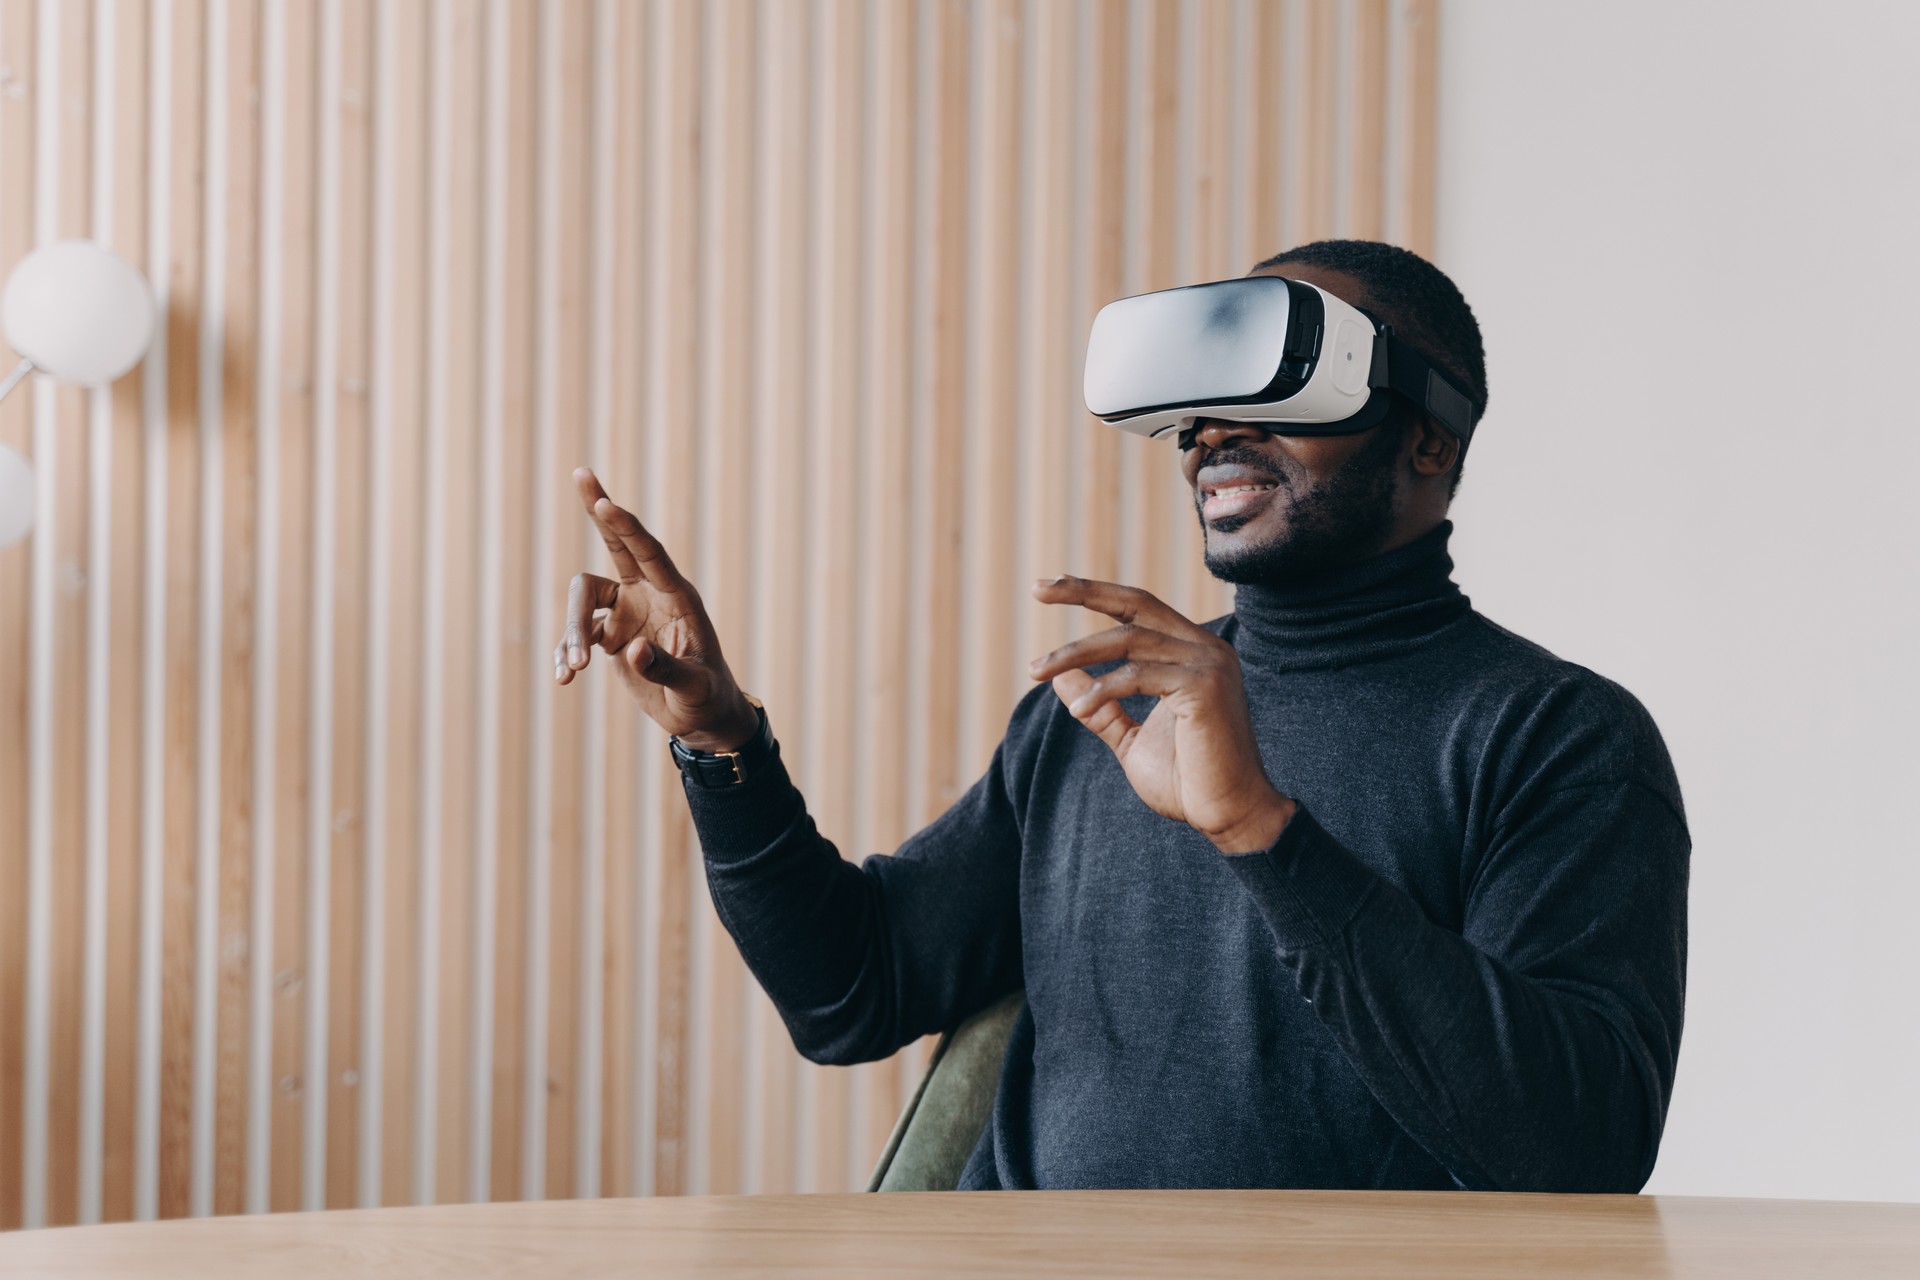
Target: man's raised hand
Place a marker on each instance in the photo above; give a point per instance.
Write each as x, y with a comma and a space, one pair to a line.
651, 623
1194, 758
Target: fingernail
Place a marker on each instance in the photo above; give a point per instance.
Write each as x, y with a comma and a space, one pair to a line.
575, 656
559, 671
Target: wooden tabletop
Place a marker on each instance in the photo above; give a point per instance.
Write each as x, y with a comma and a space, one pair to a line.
1040, 1233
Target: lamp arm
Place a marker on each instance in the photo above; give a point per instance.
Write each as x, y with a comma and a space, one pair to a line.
20, 371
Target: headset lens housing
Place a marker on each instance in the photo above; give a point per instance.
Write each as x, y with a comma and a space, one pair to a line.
1204, 342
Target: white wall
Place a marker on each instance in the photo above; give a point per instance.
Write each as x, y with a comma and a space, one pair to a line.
1692, 236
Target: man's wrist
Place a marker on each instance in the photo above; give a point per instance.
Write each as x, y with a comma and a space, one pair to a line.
740, 729
1259, 830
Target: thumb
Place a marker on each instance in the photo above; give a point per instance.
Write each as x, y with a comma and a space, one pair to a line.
657, 666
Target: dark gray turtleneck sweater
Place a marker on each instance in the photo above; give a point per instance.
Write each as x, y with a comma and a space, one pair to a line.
1461, 965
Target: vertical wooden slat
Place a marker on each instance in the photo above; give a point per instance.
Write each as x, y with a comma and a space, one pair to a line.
1366, 113
1207, 108
386, 462
1206, 120
1315, 117
940, 463
42, 1189
211, 461
65, 38
1102, 211
153, 681
16, 612
565, 228
91, 1083
944, 58
450, 837
210, 704
481, 960
1160, 503
831, 318
772, 654
1260, 48
589, 953
514, 573
264, 781
235, 401
624, 431
1419, 23
888, 268
549, 161
293, 511
342, 805
676, 324
726, 532
121, 1048
36, 655
989, 667
321, 818
1050, 409
396, 774
187, 190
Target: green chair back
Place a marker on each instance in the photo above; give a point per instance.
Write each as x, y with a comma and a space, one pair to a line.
942, 1122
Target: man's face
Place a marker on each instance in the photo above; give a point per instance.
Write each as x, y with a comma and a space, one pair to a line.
1276, 508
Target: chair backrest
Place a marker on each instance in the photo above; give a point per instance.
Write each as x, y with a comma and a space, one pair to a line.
942, 1122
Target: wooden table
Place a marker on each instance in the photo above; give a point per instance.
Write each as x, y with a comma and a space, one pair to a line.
1044, 1233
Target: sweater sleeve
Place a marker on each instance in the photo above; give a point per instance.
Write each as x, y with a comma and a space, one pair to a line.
860, 960
1534, 1050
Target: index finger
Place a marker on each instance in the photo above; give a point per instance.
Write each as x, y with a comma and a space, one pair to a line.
593, 495
639, 546
1121, 603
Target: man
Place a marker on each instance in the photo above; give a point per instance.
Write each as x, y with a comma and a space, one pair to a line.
1349, 888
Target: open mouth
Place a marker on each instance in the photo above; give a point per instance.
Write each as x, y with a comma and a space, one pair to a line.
1234, 500
1231, 489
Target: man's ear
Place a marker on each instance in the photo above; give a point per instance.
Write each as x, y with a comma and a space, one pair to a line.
1435, 449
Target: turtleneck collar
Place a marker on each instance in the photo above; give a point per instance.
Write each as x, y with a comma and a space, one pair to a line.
1362, 612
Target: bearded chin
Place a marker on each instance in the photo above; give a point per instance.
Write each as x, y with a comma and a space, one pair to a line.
1344, 519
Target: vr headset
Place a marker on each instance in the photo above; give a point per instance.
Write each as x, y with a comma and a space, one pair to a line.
1262, 349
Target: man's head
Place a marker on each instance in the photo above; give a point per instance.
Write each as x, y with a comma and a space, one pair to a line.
1320, 501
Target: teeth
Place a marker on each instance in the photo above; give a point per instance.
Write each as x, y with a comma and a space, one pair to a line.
1241, 488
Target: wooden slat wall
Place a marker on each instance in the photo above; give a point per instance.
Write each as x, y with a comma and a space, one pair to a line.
314, 891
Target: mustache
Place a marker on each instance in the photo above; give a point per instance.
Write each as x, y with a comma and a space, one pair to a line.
1242, 455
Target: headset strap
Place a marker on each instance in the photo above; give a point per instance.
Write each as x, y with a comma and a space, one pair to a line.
1402, 369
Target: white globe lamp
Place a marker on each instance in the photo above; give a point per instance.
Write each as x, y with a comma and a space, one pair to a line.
79, 313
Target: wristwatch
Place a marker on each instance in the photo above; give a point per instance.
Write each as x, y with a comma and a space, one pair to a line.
717, 770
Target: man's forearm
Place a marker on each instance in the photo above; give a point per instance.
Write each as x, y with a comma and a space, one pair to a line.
805, 920
1540, 1081
861, 960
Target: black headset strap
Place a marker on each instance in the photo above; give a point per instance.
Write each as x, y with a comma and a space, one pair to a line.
1402, 369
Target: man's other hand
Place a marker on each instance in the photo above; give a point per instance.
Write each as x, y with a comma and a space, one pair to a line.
651, 623
1194, 758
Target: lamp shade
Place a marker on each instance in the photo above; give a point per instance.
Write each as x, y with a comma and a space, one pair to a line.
79, 312
16, 496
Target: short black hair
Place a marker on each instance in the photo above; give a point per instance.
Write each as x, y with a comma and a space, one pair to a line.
1416, 298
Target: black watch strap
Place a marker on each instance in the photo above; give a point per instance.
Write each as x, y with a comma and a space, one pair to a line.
716, 770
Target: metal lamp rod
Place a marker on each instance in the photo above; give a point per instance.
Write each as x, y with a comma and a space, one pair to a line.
20, 371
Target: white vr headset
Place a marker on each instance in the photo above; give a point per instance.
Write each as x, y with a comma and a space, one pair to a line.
1261, 349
